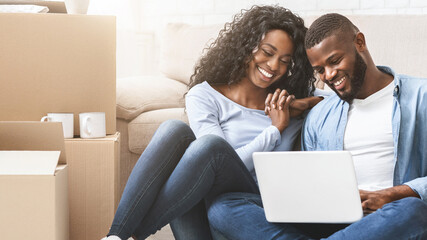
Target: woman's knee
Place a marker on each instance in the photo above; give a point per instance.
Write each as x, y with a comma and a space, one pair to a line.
173, 124
212, 143
175, 128
211, 149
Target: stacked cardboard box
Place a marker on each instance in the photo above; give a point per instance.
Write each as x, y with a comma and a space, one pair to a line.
57, 63
65, 63
93, 185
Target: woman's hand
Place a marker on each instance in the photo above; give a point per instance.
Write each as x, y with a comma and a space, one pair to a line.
277, 106
298, 106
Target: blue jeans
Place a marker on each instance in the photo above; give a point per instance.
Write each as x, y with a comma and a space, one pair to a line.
241, 216
175, 174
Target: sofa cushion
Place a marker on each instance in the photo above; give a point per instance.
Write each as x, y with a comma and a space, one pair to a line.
142, 128
182, 45
136, 95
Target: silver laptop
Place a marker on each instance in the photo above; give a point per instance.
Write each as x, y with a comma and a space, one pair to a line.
308, 187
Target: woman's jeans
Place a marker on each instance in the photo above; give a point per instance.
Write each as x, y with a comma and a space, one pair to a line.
175, 174
241, 216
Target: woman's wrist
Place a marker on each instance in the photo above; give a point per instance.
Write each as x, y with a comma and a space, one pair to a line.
281, 127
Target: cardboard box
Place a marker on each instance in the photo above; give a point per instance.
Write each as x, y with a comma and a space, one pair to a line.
54, 6
33, 181
93, 185
57, 63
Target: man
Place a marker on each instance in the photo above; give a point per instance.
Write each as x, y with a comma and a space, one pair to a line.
381, 117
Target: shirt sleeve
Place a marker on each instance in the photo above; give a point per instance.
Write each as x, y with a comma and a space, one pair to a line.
266, 141
203, 115
419, 185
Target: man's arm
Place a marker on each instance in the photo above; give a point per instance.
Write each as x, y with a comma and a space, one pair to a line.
298, 106
373, 200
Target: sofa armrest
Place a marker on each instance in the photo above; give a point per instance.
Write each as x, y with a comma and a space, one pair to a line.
136, 95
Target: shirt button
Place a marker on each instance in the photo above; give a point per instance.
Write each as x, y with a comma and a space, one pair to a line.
396, 90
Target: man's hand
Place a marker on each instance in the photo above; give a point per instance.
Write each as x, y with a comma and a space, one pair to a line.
298, 106
373, 200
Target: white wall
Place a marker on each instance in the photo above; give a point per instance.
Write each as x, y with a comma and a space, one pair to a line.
140, 22
156, 13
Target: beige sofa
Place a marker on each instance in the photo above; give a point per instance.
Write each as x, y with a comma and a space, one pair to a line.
146, 101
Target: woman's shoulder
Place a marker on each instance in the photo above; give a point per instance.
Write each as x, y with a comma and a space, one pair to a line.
205, 91
200, 89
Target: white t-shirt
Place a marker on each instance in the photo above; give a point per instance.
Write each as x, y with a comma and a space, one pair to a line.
246, 130
368, 136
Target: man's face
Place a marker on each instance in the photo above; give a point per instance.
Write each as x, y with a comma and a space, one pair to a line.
339, 65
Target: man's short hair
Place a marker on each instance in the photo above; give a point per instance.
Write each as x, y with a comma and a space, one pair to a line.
328, 25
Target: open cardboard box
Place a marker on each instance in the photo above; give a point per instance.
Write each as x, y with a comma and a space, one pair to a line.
33, 181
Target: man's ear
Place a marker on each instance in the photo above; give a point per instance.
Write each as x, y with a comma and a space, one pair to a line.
360, 42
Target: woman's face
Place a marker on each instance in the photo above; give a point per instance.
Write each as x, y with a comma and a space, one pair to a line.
271, 59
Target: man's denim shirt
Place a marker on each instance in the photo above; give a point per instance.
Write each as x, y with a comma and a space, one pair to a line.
325, 124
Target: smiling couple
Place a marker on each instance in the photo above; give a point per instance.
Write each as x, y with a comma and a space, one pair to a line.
253, 91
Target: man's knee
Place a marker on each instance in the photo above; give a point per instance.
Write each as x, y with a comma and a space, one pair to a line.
410, 209
413, 207
410, 203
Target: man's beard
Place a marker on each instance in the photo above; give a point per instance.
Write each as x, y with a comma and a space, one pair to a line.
356, 80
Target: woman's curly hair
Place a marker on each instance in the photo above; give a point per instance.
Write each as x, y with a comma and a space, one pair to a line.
228, 57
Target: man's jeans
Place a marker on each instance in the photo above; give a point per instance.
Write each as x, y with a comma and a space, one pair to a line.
241, 216
175, 174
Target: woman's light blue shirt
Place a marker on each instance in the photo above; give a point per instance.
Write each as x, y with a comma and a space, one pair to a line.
247, 130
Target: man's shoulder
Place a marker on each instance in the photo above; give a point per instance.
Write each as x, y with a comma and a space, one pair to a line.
326, 106
410, 81
412, 89
407, 87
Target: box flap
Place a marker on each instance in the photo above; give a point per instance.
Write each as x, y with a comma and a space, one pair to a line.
28, 162
35, 136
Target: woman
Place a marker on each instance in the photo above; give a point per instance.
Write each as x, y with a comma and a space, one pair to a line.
231, 90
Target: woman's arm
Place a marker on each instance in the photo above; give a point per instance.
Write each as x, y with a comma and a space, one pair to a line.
204, 113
